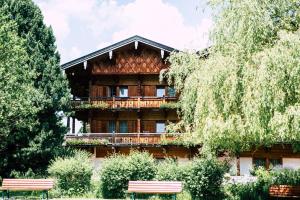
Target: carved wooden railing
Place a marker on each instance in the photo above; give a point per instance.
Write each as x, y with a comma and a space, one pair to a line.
118, 138
125, 102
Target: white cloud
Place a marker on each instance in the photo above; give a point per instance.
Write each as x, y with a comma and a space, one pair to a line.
162, 22
155, 19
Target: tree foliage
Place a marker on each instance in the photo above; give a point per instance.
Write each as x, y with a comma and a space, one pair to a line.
18, 97
247, 92
31, 145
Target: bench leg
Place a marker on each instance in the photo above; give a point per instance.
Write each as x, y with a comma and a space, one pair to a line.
174, 196
132, 196
45, 194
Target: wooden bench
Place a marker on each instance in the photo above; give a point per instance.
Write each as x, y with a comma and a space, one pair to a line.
284, 191
154, 187
9, 185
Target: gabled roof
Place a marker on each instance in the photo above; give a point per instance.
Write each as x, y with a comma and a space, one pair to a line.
116, 46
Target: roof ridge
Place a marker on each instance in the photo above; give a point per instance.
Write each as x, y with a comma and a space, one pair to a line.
116, 46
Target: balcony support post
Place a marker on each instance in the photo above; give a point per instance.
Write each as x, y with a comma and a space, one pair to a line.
114, 102
139, 128
68, 123
95, 152
90, 90
73, 125
139, 88
139, 125
84, 127
117, 126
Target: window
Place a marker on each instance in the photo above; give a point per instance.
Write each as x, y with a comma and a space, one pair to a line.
160, 91
160, 127
274, 163
260, 162
112, 91
111, 126
171, 91
123, 127
123, 91
268, 163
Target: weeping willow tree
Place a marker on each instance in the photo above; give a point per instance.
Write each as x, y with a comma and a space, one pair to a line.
247, 92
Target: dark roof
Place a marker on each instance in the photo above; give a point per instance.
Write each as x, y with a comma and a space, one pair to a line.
116, 46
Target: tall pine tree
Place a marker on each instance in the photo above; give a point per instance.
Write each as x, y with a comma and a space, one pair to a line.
36, 149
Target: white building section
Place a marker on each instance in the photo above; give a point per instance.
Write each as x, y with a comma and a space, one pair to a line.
292, 163
245, 165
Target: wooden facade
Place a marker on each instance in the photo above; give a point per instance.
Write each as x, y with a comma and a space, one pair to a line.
118, 97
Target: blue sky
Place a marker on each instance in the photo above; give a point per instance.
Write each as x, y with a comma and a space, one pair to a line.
83, 26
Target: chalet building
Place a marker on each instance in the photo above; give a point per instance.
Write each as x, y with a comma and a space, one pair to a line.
122, 105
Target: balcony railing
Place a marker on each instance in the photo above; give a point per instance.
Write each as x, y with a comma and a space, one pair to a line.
124, 102
118, 138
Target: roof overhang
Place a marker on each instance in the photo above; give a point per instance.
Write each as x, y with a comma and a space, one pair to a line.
117, 45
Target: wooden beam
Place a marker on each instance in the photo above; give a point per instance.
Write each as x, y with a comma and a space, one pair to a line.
73, 125
68, 122
238, 164
162, 53
85, 65
110, 55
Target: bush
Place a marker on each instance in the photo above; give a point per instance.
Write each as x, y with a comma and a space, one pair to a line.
286, 177
170, 170
141, 166
204, 180
28, 174
119, 169
73, 174
258, 190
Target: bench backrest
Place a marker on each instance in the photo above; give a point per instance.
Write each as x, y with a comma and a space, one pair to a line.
284, 191
155, 187
27, 184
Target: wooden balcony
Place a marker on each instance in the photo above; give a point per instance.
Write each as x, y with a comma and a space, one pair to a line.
123, 102
118, 139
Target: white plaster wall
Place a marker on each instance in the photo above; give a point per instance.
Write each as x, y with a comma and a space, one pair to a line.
292, 163
245, 165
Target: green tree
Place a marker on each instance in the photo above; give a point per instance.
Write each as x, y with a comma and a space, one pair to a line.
19, 100
39, 142
247, 92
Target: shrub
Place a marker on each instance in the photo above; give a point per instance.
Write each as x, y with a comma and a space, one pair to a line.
204, 180
286, 177
73, 174
28, 174
119, 169
114, 177
170, 170
141, 166
258, 190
